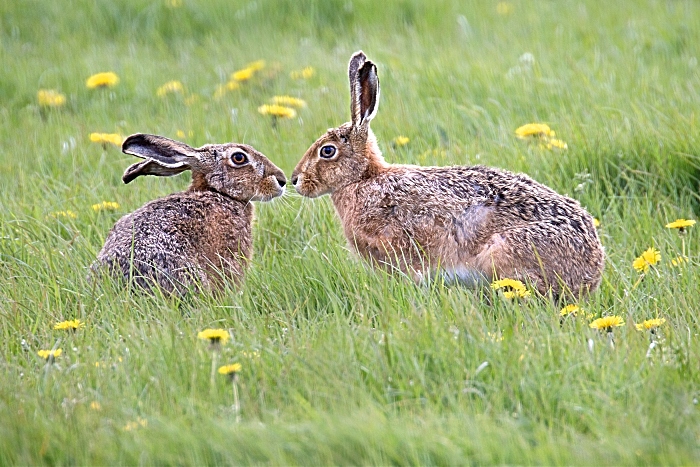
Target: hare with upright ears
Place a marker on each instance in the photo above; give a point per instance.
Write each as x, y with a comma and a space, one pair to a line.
468, 224
199, 237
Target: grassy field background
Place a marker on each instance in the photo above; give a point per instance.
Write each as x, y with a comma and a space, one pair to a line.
342, 364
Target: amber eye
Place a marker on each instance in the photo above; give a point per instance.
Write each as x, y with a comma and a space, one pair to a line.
327, 151
239, 158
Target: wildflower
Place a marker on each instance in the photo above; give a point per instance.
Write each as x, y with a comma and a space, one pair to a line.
230, 370
556, 143
192, 99
401, 140
107, 138
570, 310
511, 288
649, 258
242, 75
174, 3
70, 325
679, 261
304, 73
102, 80
504, 8
94, 405
607, 323
140, 422
596, 223
289, 101
50, 98
67, 213
277, 111
495, 336
680, 224
215, 336
541, 130
171, 87
50, 355
224, 88
256, 65
650, 324
105, 206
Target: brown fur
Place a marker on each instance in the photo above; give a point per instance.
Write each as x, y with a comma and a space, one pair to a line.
199, 237
469, 224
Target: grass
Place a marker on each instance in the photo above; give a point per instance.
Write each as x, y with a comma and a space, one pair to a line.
343, 364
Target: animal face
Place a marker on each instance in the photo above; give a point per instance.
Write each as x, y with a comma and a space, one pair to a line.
241, 172
334, 160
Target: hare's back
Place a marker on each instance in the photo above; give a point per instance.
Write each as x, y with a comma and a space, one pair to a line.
179, 224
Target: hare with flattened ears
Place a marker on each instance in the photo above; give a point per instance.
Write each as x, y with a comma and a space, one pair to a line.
201, 237
469, 224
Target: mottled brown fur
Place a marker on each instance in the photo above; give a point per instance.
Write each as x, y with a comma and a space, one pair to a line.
201, 237
470, 224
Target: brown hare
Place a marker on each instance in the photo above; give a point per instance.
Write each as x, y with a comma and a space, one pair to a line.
468, 224
201, 237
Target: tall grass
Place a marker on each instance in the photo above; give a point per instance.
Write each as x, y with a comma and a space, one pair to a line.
343, 364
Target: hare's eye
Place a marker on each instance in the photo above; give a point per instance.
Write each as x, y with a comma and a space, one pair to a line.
327, 151
239, 158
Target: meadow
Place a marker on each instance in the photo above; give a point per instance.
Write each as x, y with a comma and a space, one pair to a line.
339, 363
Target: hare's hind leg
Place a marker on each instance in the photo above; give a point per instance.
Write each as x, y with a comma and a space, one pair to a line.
513, 254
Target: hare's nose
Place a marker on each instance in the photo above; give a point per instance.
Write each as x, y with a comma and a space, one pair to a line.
295, 178
282, 181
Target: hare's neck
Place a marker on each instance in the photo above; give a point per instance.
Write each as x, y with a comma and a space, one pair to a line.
375, 161
199, 184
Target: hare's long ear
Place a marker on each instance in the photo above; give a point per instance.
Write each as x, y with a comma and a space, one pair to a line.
364, 89
164, 157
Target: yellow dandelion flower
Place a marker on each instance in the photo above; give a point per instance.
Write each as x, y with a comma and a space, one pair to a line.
94, 405
50, 354
596, 223
507, 283
650, 324
556, 143
139, 423
214, 336
67, 213
224, 88
192, 99
50, 98
230, 369
304, 73
173, 3
649, 258
107, 138
511, 288
511, 294
105, 206
256, 65
102, 80
401, 140
277, 111
504, 8
680, 224
289, 101
242, 75
679, 261
171, 87
607, 323
534, 129
70, 325
570, 310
